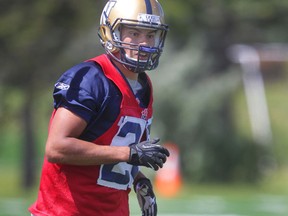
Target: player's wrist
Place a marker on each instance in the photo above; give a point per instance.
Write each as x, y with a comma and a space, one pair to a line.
122, 153
127, 154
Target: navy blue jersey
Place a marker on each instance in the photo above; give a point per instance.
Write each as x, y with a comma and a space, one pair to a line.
88, 93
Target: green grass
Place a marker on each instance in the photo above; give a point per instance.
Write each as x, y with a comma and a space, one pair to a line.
257, 205
224, 200
195, 200
268, 198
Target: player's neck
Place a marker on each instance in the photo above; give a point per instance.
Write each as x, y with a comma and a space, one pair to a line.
127, 73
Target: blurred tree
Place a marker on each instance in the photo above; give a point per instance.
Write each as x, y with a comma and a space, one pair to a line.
33, 35
209, 141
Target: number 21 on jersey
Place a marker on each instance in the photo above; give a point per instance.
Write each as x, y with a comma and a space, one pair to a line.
121, 175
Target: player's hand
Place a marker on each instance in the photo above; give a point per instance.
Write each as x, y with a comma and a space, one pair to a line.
146, 197
148, 154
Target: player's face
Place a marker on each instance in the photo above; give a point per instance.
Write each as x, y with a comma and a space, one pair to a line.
138, 36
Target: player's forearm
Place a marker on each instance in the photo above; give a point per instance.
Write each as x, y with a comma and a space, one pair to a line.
78, 152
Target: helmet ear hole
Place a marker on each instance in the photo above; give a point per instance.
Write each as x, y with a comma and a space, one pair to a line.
106, 40
102, 33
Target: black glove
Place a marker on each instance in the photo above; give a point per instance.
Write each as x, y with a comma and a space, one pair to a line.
146, 197
148, 154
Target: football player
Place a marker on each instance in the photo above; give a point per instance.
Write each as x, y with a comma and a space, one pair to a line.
99, 132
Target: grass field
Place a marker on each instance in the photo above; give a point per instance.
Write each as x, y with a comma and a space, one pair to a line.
196, 200
223, 200
257, 205
196, 205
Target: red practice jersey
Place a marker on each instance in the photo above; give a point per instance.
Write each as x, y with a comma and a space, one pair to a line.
96, 91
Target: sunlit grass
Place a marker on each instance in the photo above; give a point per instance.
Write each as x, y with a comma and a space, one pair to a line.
267, 198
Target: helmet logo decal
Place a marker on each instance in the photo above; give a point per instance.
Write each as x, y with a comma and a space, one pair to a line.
149, 18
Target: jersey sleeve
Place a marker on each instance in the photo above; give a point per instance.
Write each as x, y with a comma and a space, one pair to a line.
82, 90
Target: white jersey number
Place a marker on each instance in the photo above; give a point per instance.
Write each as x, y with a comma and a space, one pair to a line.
121, 175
